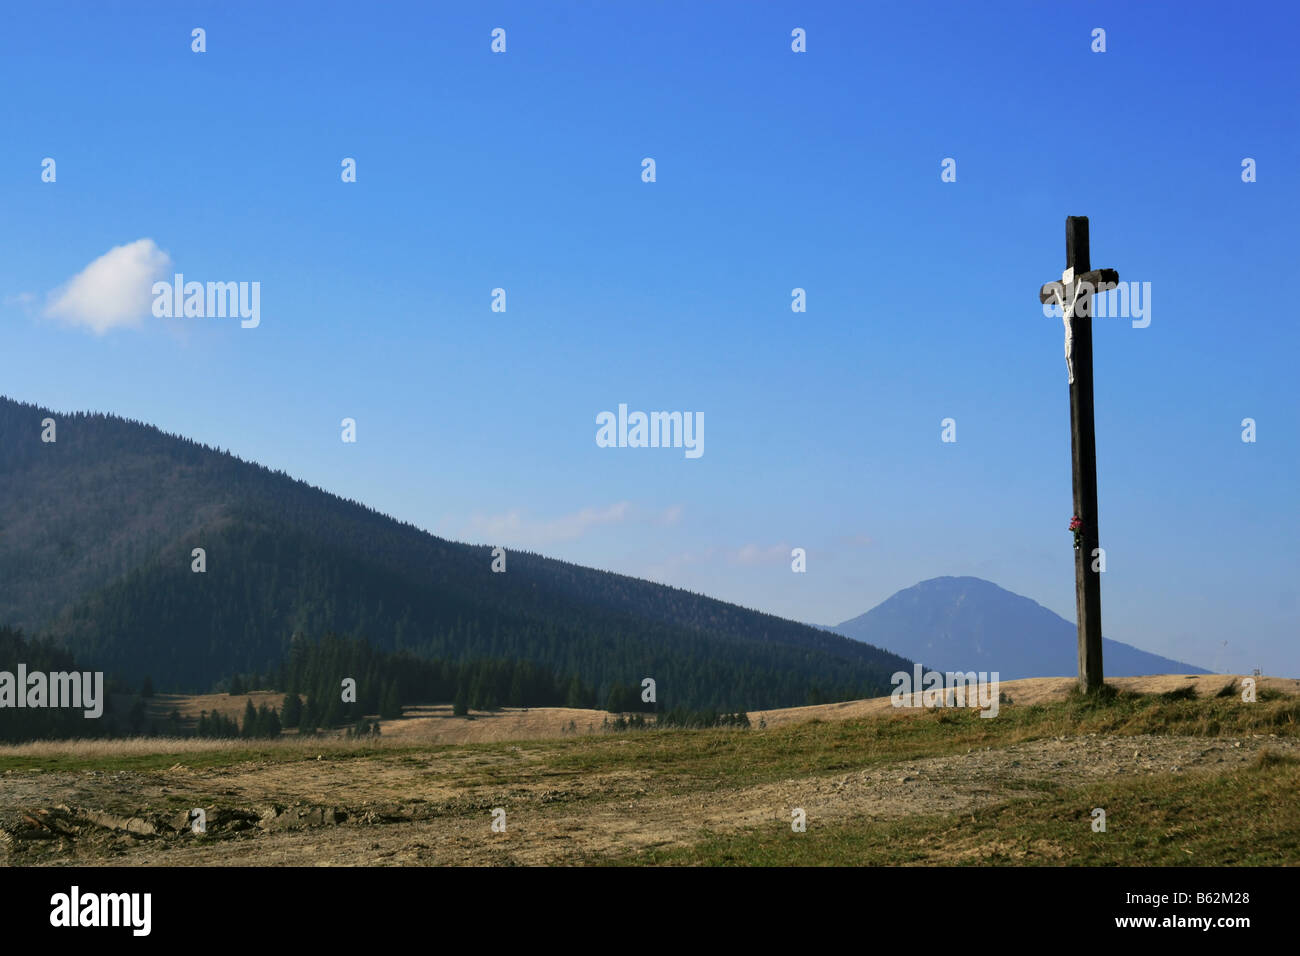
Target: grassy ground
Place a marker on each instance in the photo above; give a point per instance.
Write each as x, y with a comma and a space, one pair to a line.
1183, 779
818, 747
1248, 817
814, 746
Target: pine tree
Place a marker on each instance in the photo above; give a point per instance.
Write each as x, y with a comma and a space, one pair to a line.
291, 710
390, 707
333, 712
460, 707
621, 699
575, 696
250, 719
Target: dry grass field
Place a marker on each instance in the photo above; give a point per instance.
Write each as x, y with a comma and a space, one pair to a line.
1187, 774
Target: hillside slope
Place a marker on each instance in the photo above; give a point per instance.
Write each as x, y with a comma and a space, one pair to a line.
97, 530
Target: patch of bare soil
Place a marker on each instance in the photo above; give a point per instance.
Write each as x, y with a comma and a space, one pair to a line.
437, 725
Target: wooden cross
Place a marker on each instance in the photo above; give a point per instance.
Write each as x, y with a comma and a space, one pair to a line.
1073, 293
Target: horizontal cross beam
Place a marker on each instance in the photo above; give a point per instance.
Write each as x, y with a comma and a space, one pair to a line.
1096, 278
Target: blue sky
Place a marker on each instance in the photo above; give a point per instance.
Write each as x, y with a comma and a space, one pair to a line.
775, 170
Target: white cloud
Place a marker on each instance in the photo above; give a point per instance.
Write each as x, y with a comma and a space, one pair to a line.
670, 516
512, 528
670, 569
752, 554
112, 292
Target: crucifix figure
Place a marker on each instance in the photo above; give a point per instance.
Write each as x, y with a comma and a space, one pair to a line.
1073, 293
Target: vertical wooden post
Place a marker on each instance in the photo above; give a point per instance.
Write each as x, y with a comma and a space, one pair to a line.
1083, 441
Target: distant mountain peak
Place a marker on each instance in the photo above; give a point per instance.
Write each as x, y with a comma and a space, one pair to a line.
968, 623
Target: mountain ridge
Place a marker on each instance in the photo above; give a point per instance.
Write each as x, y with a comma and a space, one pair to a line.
97, 531
954, 623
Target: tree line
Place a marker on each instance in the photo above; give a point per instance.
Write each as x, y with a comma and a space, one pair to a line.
678, 717
258, 723
313, 672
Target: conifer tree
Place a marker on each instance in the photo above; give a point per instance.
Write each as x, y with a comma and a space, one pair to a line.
390, 707
291, 710
270, 722
575, 696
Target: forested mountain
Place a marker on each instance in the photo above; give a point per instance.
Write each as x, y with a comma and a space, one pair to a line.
97, 529
972, 624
